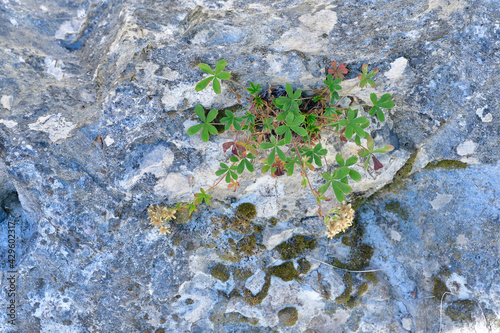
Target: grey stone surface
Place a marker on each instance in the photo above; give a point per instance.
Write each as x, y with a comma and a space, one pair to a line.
95, 98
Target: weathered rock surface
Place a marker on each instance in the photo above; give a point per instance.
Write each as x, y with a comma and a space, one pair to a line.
95, 100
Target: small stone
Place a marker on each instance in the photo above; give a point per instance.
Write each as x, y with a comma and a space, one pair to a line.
255, 282
466, 148
407, 323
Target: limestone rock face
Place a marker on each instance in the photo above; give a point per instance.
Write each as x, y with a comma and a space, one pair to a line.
95, 101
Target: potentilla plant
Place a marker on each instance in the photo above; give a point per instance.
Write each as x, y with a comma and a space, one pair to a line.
279, 133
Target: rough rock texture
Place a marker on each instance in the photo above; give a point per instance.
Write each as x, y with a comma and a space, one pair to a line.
95, 99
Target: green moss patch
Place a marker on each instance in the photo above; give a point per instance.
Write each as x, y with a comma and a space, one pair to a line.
346, 295
288, 316
439, 288
246, 211
247, 245
461, 311
395, 207
446, 164
295, 246
286, 271
220, 272
252, 299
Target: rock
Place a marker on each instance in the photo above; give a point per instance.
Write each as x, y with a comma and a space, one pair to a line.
255, 282
94, 106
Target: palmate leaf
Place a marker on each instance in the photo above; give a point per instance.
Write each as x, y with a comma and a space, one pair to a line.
217, 75
383, 102
206, 128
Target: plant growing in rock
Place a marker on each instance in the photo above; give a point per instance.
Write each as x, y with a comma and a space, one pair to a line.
281, 133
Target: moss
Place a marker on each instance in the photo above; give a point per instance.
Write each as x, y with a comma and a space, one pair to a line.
252, 299
234, 293
362, 288
247, 245
247, 211
361, 257
346, 295
439, 289
461, 311
348, 241
273, 221
304, 266
286, 271
446, 164
241, 275
232, 318
220, 272
288, 316
258, 229
295, 246
371, 277
394, 206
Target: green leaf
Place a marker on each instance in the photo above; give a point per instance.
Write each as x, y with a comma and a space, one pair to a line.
384, 149
211, 129
211, 115
194, 129
204, 134
282, 129
323, 188
341, 173
220, 66
216, 86
241, 167
266, 145
364, 152
370, 144
299, 130
206, 68
380, 115
338, 192
224, 75
356, 176
281, 154
203, 83
198, 109
271, 157
351, 161
220, 172
289, 89
339, 159
249, 165
288, 137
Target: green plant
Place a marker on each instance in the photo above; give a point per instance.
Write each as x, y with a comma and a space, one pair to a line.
284, 129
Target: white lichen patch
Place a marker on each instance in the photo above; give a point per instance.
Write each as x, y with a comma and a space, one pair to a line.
440, 201
395, 236
69, 29
256, 282
108, 140
398, 67
8, 123
457, 285
55, 67
462, 240
156, 162
466, 148
485, 118
174, 185
55, 126
6, 101
307, 37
